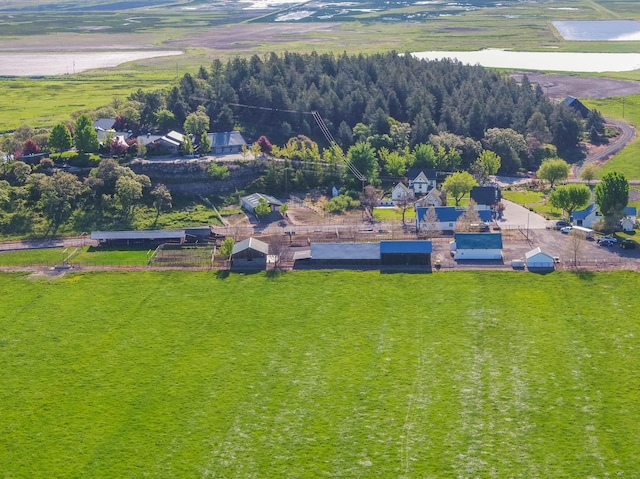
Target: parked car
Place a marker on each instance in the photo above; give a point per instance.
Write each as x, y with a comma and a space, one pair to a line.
566, 230
627, 243
606, 242
562, 224
606, 238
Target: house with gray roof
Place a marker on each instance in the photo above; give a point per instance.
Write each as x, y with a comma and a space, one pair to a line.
226, 142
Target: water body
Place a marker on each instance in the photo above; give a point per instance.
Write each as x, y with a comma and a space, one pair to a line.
36, 64
599, 30
545, 61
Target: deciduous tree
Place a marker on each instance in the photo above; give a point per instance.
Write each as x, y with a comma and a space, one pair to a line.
553, 170
570, 198
459, 184
612, 196
161, 199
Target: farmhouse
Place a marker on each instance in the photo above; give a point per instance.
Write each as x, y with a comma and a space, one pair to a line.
473, 246
401, 193
433, 198
250, 202
446, 218
538, 259
171, 142
226, 142
421, 181
249, 254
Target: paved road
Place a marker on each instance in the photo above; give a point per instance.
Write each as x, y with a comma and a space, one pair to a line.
627, 134
519, 216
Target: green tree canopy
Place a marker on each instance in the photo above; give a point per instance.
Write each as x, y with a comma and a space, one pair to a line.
488, 163
205, 143
84, 135
459, 184
262, 209
197, 122
570, 198
59, 194
588, 172
612, 195
363, 157
161, 199
60, 138
553, 170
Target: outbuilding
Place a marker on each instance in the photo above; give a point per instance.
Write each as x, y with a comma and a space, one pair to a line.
249, 254
538, 259
345, 255
405, 253
139, 237
474, 246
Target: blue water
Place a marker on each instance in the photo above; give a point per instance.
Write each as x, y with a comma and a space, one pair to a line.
599, 30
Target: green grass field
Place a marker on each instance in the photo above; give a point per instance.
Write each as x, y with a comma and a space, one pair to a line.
320, 374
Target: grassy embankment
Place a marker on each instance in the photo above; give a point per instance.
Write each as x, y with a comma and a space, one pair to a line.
344, 375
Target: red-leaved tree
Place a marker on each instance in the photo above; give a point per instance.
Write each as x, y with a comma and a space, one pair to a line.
265, 144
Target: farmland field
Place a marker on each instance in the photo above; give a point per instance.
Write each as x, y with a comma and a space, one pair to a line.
334, 374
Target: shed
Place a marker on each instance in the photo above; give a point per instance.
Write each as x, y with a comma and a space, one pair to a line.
250, 202
472, 246
627, 224
249, 254
139, 237
405, 253
345, 254
538, 259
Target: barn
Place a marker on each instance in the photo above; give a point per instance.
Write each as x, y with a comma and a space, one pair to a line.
345, 255
474, 246
405, 253
538, 259
249, 254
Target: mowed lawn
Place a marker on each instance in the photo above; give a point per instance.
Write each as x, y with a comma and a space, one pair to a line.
320, 374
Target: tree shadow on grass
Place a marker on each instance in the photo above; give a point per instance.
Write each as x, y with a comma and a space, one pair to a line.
584, 274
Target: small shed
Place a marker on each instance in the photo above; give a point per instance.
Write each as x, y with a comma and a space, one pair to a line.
345, 255
405, 253
627, 224
474, 246
538, 259
250, 202
249, 254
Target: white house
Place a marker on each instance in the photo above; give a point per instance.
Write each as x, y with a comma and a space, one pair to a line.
401, 193
433, 198
627, 224
421, 181
474, 246
536, 258
586, 217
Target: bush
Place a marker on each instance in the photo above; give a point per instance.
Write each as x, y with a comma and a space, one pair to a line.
340, 204
218, 172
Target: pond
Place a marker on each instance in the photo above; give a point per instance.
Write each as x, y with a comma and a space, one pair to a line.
547, 61
36, 64
599, 30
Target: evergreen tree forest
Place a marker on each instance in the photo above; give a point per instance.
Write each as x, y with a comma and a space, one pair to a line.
388, 100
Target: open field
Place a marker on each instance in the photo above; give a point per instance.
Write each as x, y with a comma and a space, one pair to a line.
344, 375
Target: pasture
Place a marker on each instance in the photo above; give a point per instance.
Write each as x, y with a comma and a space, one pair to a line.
335, 374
